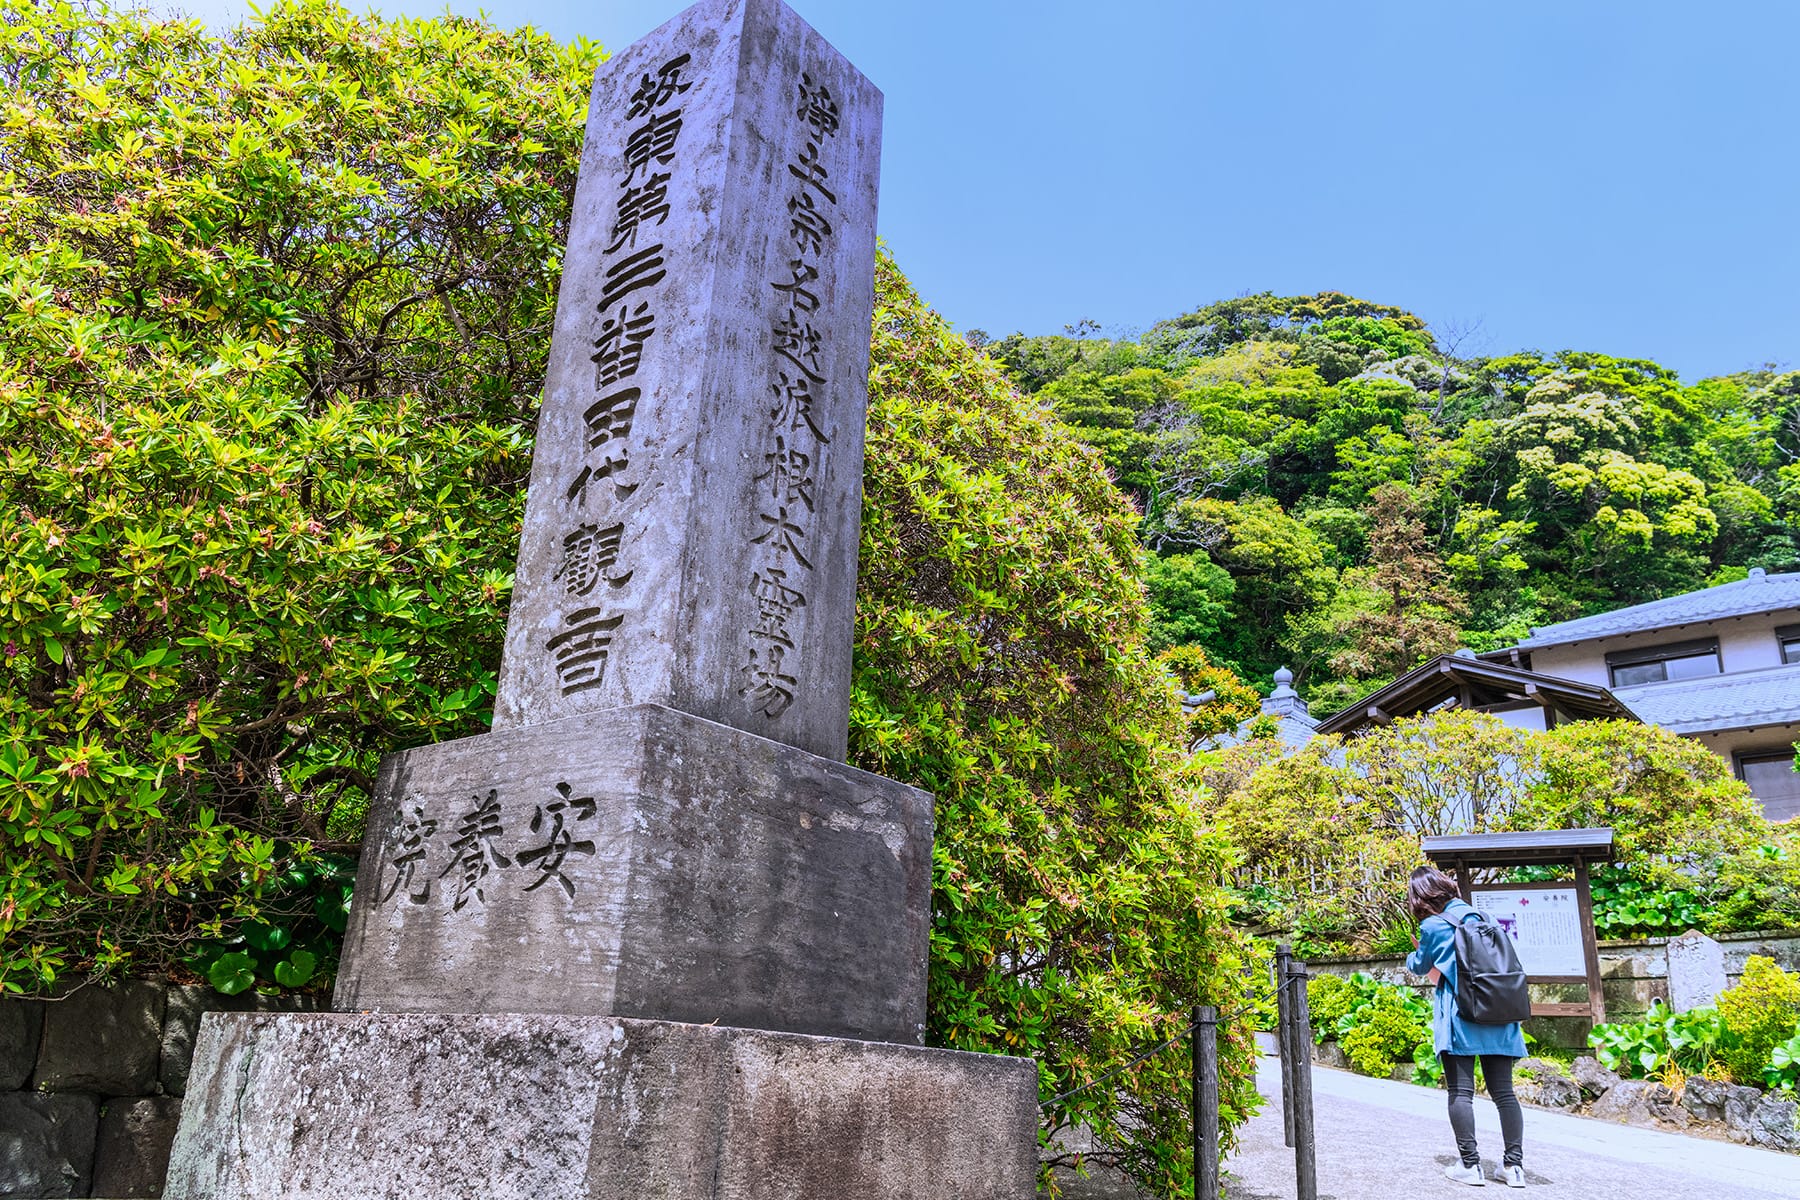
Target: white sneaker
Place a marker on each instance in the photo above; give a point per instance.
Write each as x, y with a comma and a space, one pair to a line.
1512, 1176
1457, 1173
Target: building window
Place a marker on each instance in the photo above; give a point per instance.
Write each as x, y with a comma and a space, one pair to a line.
1773, 781
1659, 664
1789, 637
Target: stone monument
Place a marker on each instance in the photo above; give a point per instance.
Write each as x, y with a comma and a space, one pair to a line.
651, 937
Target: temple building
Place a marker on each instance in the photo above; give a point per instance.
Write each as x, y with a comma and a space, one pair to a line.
1720, 665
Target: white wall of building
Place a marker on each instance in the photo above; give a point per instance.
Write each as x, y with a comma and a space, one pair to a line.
1745, 644
1522, 717
1770, 740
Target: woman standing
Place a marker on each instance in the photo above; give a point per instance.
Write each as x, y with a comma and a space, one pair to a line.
1433, 898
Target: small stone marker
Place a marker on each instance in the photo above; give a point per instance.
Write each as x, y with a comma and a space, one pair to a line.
1696, 971
691, 532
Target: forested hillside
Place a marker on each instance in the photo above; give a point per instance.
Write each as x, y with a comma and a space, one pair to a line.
1325, 483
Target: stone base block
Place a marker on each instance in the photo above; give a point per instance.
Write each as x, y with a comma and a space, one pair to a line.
106, 1040
370, 1107
131, 1156
47, 1143
641, 862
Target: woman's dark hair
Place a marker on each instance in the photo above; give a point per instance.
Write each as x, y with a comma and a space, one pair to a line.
1428, 891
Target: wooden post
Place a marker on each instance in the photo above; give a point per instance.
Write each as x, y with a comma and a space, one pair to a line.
1590, 944
1206, 1103
1284, 1042
1463, 882
1306, 1167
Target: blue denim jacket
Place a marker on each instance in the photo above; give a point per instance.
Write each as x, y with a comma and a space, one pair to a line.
1450, 1034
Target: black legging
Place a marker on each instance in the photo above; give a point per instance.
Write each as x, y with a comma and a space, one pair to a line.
1496, 1069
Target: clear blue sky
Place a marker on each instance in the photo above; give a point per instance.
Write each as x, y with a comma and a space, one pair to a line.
1620, 177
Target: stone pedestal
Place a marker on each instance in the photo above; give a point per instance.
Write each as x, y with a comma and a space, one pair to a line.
643, 862
370, 1107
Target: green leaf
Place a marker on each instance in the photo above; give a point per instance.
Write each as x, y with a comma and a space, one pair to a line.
232, 973
332, 907
296, 970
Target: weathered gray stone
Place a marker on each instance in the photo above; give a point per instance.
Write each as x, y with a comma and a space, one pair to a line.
1539, 1068
21, 1027
181, 1023
1696, 971
102, 1039
1705, 1098
47, 1143
523, 1107
1330, 1054
1640, 1102
691, 528
1558, 1091
1775, 1123
712, 876
1628, 999
1739, 948
1564, 1033
1740, 1112
1593, 1078
131, 1156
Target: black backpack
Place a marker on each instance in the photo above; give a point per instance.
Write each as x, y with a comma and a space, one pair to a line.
1490, 983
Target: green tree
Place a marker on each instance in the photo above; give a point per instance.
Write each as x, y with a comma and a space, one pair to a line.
1277, 566
1002, 664
1330, 831
1224, 701
274, 312
1109, 412
1415, 614
1190, 600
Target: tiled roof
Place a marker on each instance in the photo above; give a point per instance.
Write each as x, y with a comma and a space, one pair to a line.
1292, 731
1745, 700
1471, 681
1758, 594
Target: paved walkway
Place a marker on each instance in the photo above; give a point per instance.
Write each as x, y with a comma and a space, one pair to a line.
1380, 1139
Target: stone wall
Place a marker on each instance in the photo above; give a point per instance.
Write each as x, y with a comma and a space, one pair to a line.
1633, 974
91, 1084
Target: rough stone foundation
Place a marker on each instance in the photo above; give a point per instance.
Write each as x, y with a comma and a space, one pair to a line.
91, 1085
518, 1107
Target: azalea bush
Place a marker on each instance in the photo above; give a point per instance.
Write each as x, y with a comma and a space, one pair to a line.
273, 317
1378, 1025
1002, 664
1760, 1013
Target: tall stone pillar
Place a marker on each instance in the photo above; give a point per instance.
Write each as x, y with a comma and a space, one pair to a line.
651, 937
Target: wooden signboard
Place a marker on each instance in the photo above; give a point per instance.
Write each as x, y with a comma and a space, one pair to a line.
1551, 924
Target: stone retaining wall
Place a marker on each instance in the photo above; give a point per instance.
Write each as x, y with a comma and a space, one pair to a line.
1633, 974
91, 1084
